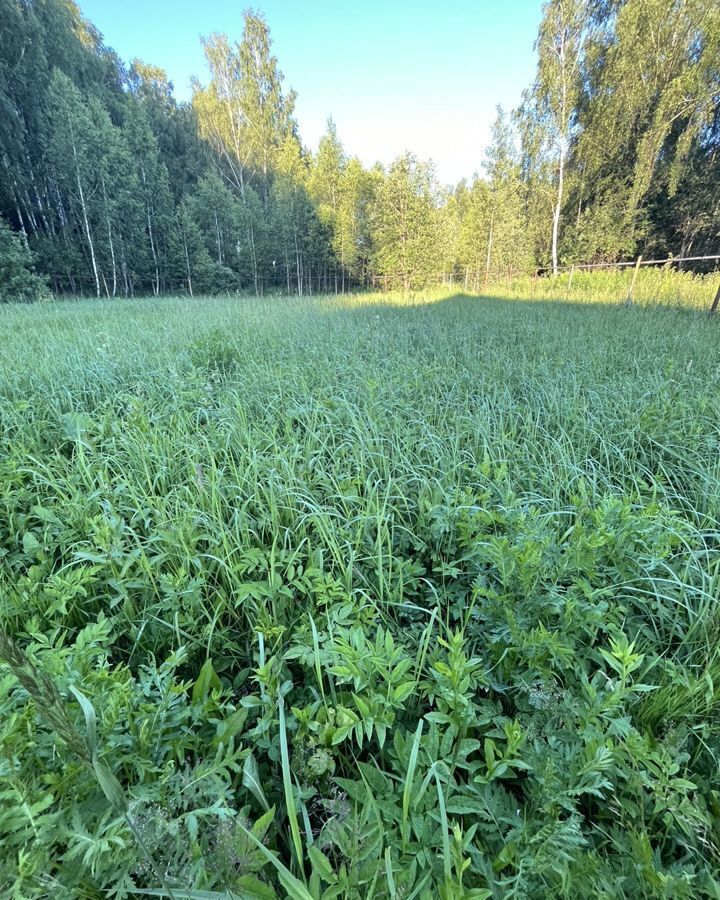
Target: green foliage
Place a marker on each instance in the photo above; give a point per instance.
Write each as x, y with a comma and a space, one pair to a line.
626, 100
404, 223
273, 624
18, 280
121, 190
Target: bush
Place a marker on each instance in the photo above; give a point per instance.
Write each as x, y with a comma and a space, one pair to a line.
18, 280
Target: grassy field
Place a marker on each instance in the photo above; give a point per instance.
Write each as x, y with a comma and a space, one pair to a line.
359, 598
653, 286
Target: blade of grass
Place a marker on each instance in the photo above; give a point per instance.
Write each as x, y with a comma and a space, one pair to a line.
287, 787
447, 862
409, 778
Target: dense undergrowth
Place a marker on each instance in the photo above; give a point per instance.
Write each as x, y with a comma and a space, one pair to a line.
357, 598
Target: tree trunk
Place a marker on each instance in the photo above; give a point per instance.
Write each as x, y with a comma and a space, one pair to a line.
297, 266
30, 215
716, 301
217, 239
110, 239
123, 268
16, 201
148, 208
556, 211
86, 222
38, 201
187, 266
251, 233
489, 248
564, 124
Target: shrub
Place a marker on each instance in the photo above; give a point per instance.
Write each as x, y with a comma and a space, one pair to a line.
18, 279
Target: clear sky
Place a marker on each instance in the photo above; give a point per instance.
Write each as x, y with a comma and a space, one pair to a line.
395, 75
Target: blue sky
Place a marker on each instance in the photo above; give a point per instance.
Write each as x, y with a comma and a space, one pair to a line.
394, 75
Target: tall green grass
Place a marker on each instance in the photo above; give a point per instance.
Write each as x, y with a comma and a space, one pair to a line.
653, 286
367, 596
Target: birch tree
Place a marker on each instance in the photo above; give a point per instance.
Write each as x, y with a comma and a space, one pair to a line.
405, 228
553, 101
244, 112
71, 154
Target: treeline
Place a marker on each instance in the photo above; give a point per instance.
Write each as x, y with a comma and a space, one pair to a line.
118, 189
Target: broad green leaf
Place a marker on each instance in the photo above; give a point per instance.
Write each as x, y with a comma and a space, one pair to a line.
206, 681
321, 864
110, 786
75, 425
30, 544
295, 888
90, 721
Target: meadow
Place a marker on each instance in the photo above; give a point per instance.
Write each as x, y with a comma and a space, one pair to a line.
652, 286
359, 596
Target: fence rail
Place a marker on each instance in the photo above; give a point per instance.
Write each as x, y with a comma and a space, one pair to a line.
669, 261
491, 276
484, 280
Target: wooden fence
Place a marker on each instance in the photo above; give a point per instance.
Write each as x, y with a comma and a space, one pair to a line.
473, 280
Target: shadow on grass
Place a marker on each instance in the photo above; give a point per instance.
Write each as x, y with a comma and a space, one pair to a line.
462, 303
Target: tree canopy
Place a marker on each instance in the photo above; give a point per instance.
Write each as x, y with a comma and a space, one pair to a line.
118, 189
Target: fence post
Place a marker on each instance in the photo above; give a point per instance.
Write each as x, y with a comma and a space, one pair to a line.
715, 302
570, 281
628, 299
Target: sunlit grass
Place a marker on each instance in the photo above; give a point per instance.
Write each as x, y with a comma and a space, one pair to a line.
653, 286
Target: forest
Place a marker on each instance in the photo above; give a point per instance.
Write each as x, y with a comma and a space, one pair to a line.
111, 187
